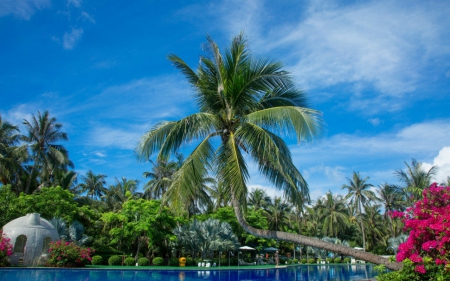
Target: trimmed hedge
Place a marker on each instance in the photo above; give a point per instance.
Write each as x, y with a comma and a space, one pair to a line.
174, 262
346, 260
337, 260
115, 260
310, 260
158, 261
129, 261
143, 262
304, 260
294, 260
97, 260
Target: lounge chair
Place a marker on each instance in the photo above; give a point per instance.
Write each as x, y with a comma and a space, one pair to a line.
242, 262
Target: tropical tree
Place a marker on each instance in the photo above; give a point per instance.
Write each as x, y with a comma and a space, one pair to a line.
43, 134
258, 199
333, 214
160, 176
415, 179
244, 102
278, 213
392, 198
359, 194
220, 195
11, 156
120, 192
93, 184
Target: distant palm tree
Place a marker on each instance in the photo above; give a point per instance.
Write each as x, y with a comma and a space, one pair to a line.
244, 103
160, 176
415, 179
12, 156
278, 212
43, 134
392, 198
65, 179
120, 192
258, 199
374, 224
359, 194
93, 184
333, 214
220, 195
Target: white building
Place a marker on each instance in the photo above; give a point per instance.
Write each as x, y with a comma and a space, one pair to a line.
31, 236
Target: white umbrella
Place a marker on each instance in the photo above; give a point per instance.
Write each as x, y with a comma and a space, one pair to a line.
246, 248
270, 249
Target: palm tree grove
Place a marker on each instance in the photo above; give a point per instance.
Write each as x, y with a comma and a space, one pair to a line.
194, 199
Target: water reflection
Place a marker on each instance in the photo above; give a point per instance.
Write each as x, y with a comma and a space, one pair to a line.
298, 273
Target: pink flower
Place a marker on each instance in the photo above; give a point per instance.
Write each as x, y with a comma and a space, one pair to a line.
421, 269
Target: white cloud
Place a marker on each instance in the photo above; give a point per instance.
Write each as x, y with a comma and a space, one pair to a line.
87, 17
99, 154
23, 9
70, 39
375, 121
442, 162
102, 136
75, 3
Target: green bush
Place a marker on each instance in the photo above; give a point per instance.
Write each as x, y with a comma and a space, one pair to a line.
115, 260
143, 262
319, 260
310, 260
190, 261
294, 261
158, 261
97, 260
174, 262
329, 260
303, 260
337, 260
346, 260
129, 261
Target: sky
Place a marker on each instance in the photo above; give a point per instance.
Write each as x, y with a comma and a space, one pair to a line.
379, 71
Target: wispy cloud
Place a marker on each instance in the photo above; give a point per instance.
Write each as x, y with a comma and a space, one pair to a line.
87, 17
22, 9
75, 3
380, 51
70, 39
442, 162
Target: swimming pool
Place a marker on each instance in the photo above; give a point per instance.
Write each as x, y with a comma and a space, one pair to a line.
298, 273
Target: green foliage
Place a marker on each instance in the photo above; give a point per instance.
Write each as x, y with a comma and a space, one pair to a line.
346, 260
97, 260
174, 262
304, 260
49, 202
294, 261
115, 260
190, 261
143, 262
337, 260
319, 260
310, 260
329, 260
8, 205
129, 261
158, 261
409, 273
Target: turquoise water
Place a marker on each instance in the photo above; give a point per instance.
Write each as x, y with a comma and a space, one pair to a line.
303, 273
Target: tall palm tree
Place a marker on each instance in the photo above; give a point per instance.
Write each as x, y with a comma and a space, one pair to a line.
415, 179
220, 195
359, 194
258, 199
93, 184
43, 134
333, 214
120, 192
244, 102
374, 223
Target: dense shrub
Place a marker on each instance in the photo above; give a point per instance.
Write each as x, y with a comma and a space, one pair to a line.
173, 262
294, 261
303, 261
319, 260
143, 261
158, 261
97, 260
310, 260
337, 260
346, 260
129, 261
68, 254
190, 261
329, 260
115, 260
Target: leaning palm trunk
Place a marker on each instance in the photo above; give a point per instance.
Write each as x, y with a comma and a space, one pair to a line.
309, 241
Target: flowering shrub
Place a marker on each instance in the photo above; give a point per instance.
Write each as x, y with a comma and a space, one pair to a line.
5, 250
68, 254
426, 253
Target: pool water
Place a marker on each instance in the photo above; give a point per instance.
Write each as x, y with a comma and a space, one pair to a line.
303, 273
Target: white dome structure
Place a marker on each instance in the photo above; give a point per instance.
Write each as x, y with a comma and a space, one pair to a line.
30, 236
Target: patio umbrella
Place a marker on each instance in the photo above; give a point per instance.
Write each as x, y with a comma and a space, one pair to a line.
246, 248
270, 249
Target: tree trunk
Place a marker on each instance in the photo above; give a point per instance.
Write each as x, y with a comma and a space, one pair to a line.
314, 242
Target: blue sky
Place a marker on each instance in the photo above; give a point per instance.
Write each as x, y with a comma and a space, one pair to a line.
378, 70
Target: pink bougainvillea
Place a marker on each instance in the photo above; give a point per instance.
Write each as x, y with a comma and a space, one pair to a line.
428, 223
68, 254
5, 249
